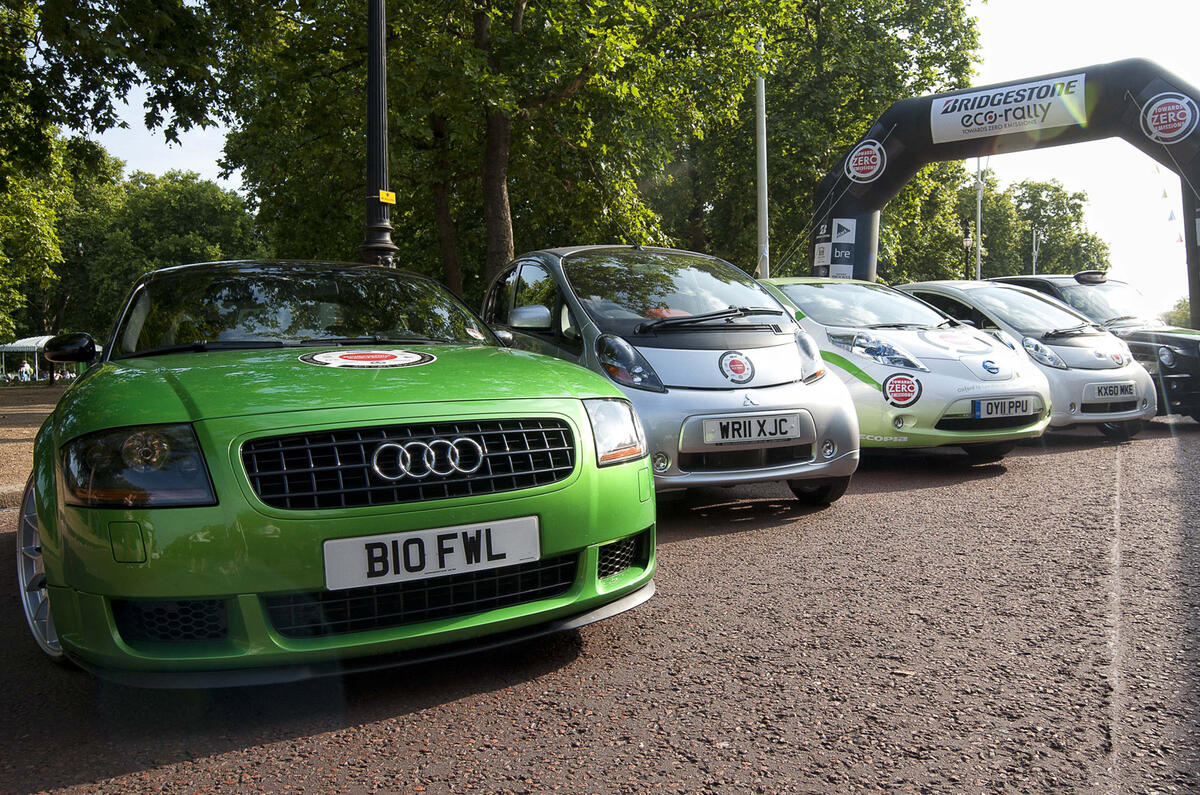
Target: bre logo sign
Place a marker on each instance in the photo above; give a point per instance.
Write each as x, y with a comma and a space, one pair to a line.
866, 162
1169, 117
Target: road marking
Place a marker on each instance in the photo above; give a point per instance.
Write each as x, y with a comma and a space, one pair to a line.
1116, 699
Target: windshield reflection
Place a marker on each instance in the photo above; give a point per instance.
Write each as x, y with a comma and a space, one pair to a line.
232, 306
625, 290
860, 305
1110, 302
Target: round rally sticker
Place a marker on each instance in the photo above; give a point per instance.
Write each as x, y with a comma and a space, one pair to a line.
901, 390
736, 367
370, 360
1169, 117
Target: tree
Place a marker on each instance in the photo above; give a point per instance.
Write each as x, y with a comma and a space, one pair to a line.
1179, 315
835, 65
510, 125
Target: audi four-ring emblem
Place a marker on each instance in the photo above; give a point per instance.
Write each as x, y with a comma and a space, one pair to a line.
419, 460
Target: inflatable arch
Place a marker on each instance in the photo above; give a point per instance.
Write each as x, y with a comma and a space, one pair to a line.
1135, 99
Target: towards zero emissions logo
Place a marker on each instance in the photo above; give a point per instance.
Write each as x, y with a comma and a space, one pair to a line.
866, 162
1169, 117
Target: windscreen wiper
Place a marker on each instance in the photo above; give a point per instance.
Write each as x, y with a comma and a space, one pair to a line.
897, 325
1119, 318
1066, 332
720, 314
199, 346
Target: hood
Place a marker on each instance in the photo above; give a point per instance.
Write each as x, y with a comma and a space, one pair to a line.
953, 344
194, 386
1186, 338
1089, 352
729, 368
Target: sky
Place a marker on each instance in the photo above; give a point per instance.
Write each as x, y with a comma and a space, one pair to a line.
1019, 38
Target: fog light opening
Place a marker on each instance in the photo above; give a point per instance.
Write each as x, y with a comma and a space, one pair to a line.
1145, 403
1071, 408
898, 422
829, 448
661, 461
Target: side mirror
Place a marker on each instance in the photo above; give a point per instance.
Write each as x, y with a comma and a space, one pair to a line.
505, 336
75, 347
535, 317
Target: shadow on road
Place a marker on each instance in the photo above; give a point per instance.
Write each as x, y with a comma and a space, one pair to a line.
62, 726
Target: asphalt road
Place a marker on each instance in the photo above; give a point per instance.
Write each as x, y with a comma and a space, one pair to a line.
1025, 627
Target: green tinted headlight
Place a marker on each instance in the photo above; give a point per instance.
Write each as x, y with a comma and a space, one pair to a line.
156, 466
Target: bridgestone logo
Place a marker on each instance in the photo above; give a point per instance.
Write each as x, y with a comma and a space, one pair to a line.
866, 162
1169, 117
1023, 107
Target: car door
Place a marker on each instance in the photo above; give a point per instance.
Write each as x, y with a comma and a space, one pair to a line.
527, 301
957, 309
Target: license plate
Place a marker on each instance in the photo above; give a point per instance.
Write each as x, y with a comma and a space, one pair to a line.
1124, 389
728, 430
1002, 407
417, 555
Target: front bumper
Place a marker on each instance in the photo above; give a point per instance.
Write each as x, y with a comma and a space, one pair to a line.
1073, 406
672, 421
241, 554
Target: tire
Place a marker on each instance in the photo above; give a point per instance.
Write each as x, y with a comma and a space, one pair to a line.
819, 491
988, 453
31, 579
1121, 430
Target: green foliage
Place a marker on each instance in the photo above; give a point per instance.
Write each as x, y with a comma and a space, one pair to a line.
1011, 214
29, 242
834, 66
1179, 315
102, 231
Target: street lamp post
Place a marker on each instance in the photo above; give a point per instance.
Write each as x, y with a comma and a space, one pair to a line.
968, 241
377, 246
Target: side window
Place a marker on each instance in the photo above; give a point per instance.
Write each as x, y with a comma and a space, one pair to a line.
948, 305
536, 288
499, 299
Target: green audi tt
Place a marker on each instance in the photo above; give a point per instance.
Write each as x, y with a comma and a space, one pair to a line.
279, 470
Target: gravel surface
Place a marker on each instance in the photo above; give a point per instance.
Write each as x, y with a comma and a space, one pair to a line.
1025, 627
22, 409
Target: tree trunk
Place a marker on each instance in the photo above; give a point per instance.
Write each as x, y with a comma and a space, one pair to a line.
497, 216
444, 221
696, 236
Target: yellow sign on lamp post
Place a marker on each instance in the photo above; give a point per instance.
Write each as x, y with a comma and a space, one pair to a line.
387, 196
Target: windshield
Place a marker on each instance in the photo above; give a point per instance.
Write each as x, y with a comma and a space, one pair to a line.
278, 305
625, 291
1110, 302
1028, 313
860, 305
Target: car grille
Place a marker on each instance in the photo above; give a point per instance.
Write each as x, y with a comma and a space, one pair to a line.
333, 469
985, 423
620, 555
309, 615
191, 620
1107, 408
744, 459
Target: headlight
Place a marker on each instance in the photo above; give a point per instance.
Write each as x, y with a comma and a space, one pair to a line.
1043, 355
149, 466
617, 431
1166, 356
812, 366
625, 365
877, 350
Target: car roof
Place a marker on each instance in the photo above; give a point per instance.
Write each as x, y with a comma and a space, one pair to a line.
565, 251
779, 280
247, 265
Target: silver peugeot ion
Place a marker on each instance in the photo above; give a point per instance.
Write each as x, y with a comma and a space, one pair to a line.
728, 386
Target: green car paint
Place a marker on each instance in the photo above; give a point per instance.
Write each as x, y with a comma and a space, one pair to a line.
241, 551
841, 361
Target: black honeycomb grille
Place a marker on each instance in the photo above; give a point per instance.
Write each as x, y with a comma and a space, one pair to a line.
320, 613
985, 423
333, 469
1108, 408
171, 622
620, 555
